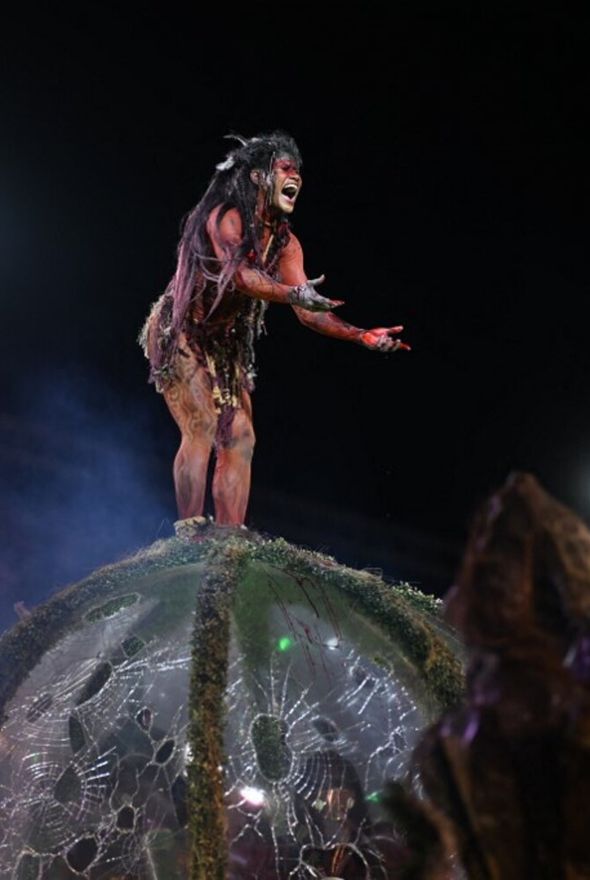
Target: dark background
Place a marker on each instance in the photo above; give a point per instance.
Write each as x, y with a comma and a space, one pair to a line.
445, 188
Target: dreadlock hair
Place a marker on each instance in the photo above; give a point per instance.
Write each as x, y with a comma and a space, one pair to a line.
230, 187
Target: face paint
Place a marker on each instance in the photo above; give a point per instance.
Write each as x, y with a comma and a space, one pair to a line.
286, 184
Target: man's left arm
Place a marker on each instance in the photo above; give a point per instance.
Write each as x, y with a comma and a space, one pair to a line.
293, 273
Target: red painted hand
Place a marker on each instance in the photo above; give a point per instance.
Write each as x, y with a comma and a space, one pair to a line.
384, 339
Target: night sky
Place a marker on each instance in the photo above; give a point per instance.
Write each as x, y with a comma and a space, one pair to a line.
445, 188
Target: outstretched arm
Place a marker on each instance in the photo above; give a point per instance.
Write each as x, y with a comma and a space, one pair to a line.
226, 238
379, 338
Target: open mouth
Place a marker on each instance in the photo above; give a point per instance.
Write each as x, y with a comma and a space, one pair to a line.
290, 191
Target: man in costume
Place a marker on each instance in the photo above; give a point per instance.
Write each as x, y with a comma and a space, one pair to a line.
236, 254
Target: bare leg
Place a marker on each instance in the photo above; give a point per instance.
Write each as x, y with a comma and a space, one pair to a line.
231, 481
191, 404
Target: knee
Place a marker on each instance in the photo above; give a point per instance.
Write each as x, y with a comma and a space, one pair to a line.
196, 443
242, 438
246, 440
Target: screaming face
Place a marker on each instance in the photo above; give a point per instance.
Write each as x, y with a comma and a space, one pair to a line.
286, 183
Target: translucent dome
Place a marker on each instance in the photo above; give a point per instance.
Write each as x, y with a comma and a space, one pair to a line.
234, 705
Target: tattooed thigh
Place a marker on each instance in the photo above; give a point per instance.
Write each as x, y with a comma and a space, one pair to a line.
190, 401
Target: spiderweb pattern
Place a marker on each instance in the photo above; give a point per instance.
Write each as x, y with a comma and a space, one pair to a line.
337, 727
92, 756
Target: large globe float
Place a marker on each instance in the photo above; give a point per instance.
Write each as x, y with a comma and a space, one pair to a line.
226, 708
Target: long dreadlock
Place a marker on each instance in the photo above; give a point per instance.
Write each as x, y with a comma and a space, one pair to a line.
197, 267
200, 276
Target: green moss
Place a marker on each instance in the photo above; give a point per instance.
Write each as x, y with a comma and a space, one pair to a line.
132, 646
418, 601
273, 756
206, 709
